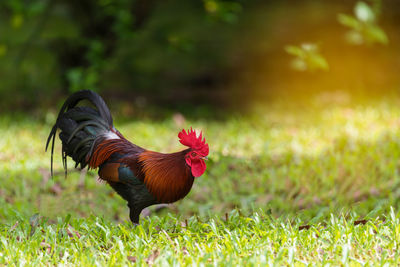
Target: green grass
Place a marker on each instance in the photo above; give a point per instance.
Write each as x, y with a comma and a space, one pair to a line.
231, 241
319, 167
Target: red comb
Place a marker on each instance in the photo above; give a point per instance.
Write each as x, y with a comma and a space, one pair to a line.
195, 142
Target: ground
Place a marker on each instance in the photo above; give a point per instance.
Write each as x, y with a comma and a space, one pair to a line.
287, 183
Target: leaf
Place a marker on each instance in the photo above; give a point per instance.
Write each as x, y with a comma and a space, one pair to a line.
360, 222
304, 227
298, 64
67, 219
153, 256
294, 50
349, 21
14, 226
365, 29
364, 12
3, 49
211, 6
319, 62
17, 20
72, 232
45, 246
132, 259
345, 253
309, 47
377, 35
184, 224
307, 57
354, 37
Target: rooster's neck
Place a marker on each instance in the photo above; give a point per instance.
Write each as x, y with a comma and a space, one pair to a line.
167, 176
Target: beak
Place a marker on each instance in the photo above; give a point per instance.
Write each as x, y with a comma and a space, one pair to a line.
204, 158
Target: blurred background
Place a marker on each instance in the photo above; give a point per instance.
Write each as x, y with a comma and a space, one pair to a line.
175, 54
299, 99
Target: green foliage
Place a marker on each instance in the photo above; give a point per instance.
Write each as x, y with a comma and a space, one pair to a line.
363, 25
307, 57
3, 50
81, 78
226, 11
172, 52
121, 44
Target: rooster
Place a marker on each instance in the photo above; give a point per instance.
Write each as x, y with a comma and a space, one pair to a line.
140, 176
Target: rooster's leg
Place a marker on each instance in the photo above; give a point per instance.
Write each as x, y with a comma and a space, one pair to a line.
134, 214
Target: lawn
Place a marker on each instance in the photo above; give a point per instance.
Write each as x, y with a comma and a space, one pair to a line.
287, 183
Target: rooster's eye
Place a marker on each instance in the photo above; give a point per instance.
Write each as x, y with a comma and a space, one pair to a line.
194, 154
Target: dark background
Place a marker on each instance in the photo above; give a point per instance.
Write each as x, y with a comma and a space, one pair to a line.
182, 54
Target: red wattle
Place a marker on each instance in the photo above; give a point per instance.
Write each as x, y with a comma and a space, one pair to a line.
198, 168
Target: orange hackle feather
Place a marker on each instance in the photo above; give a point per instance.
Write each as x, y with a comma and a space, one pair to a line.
109, 172
106, 148
166, 176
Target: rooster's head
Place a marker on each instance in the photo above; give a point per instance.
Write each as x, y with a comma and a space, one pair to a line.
198, 152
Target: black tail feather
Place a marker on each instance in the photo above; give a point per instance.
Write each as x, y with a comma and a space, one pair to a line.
79, 127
